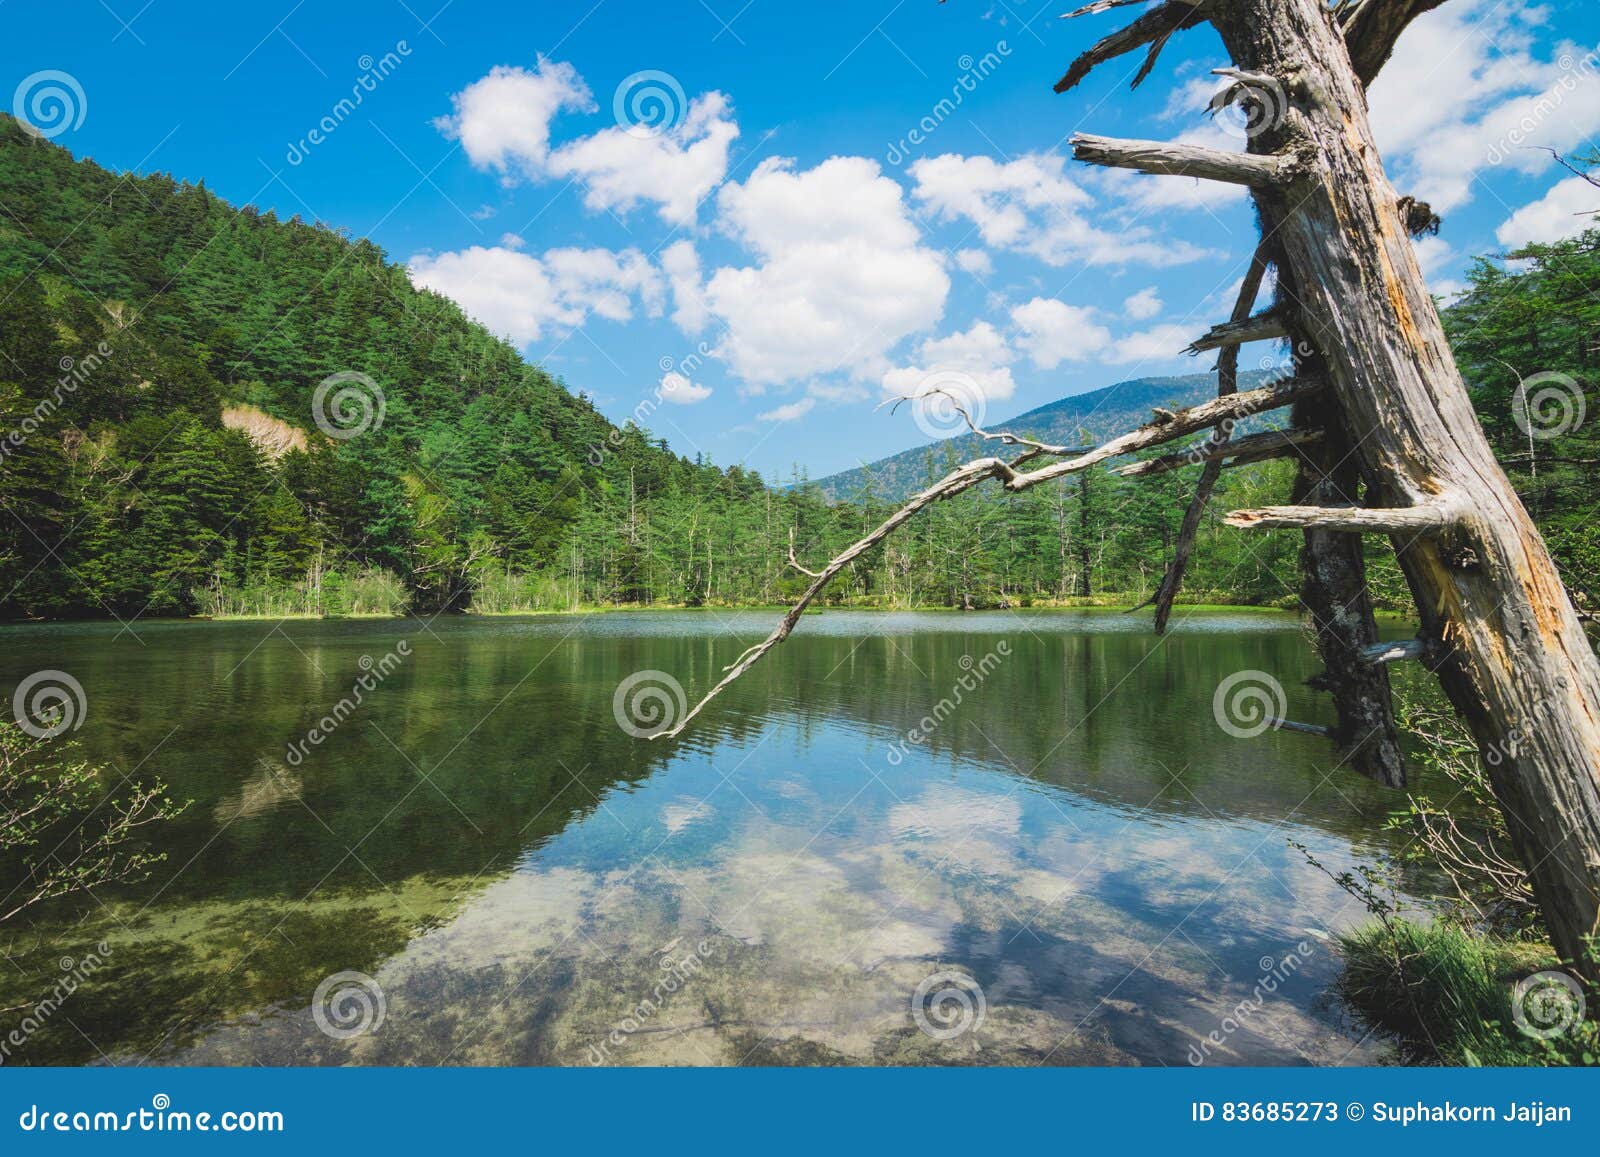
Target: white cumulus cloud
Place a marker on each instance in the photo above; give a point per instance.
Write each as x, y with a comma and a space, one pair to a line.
1466, 91
503, 119
789, 412
1162, 343
520, 296
840, 275
681, 263
680, 391
1029, 205
503, 123
980, 355
975, 262
1144, 305
1051, 332
673, 169
1565, 211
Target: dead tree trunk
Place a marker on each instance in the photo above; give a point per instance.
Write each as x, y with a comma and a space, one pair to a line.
1333, 572
1515, 660
1496, 620
1227, 383
1334, 590
1518, 665
1333, 587
1085, 562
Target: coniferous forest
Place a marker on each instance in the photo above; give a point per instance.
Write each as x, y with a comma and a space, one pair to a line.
173, 445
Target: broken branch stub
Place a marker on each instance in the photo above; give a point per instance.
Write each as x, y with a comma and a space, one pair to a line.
1171, 159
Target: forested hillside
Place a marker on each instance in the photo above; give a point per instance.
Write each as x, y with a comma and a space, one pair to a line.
133, 310
171, 442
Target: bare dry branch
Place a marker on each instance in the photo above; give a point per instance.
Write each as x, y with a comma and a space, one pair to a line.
1180, 425
1227, 384
794, 562
1251, 448
1003, 436
958, 480
1155, 25
1361, 519
1170, 159
1151, 57
964, 478
1568, 165
1265, 326
1097, 7
1249, 79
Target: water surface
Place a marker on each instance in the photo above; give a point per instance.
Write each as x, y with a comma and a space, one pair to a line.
527, 883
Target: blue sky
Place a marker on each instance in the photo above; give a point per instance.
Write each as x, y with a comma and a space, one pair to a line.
729, 196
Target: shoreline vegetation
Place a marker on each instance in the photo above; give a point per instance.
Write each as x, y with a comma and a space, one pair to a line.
1108, 603
1468, 976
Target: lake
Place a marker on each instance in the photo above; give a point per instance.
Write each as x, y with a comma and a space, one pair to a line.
471, 861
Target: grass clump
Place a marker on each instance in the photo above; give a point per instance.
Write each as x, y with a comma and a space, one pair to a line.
1468, 977
1448, 995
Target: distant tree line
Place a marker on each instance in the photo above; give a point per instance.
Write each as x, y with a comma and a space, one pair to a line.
135, 310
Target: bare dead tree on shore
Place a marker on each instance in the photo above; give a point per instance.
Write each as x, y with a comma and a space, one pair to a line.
1382, 429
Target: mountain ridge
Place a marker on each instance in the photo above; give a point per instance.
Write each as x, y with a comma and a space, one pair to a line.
1100, 413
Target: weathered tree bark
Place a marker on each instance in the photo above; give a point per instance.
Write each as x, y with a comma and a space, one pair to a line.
1518, 665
